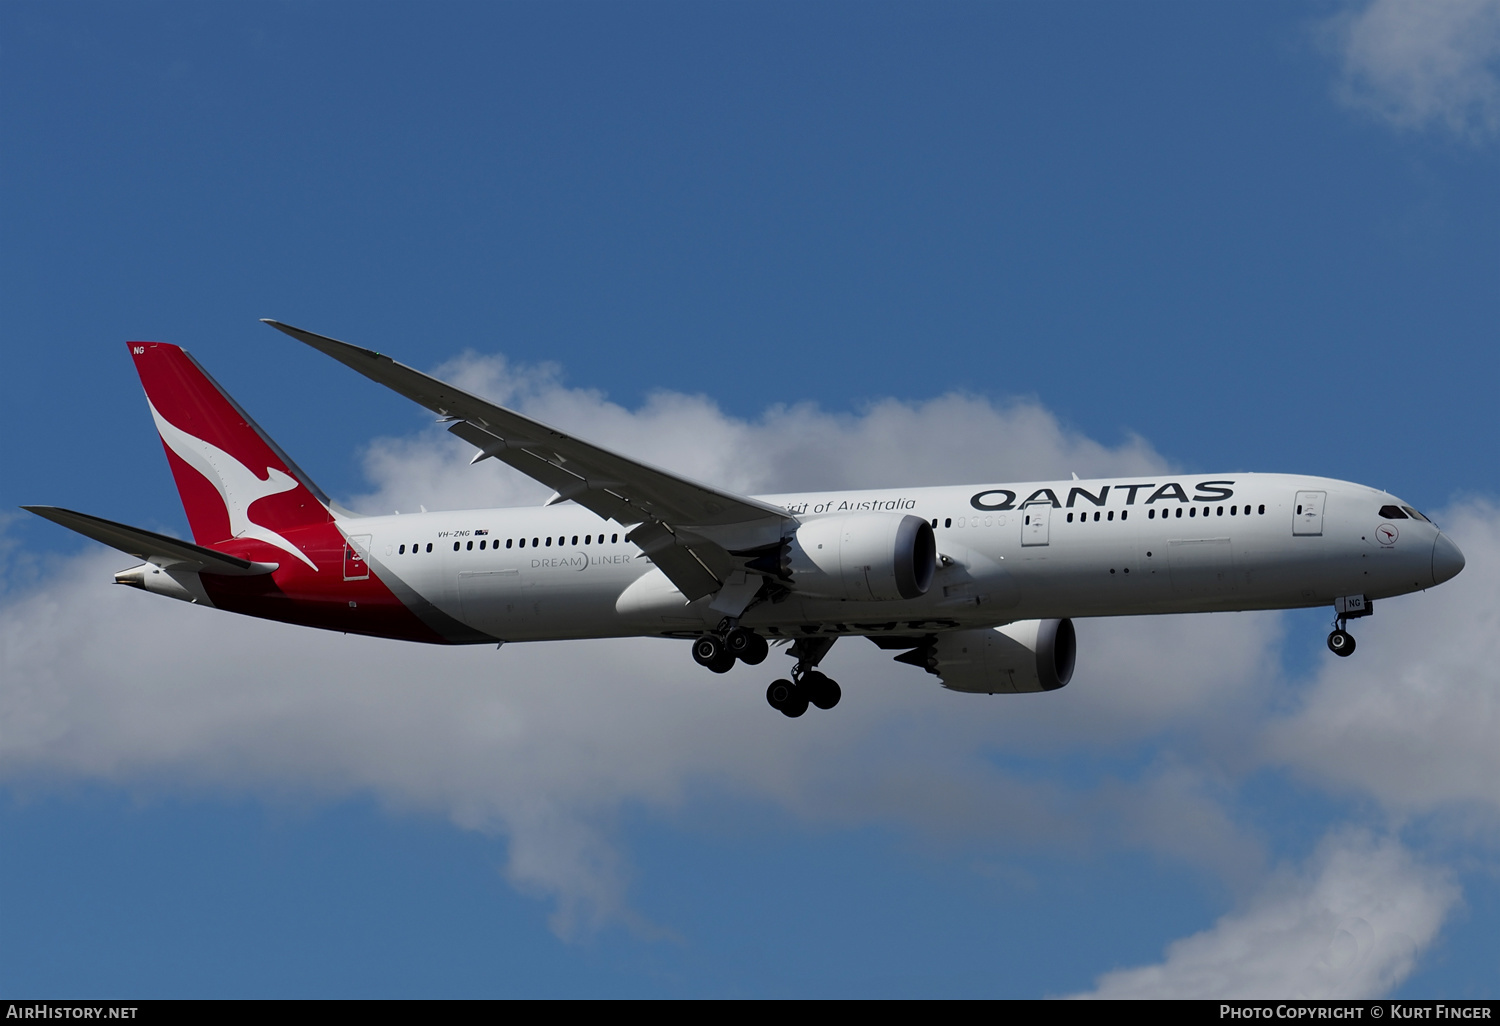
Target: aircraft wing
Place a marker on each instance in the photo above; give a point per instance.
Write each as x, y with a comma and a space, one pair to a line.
689, 530
167, 553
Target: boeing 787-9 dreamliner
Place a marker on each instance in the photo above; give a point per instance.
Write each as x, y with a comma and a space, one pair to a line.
975, 584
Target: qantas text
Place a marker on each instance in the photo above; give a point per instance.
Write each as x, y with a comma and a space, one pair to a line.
1206, 491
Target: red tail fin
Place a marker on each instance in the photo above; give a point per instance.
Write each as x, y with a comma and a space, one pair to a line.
234, 481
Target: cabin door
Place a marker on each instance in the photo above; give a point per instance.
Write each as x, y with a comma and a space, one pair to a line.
1308, 518
356, 563
1034, 523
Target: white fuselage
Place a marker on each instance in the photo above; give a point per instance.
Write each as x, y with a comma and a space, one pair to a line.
1033, 550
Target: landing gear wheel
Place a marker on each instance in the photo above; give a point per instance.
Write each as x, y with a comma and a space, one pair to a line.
710, 651
786, 698
723, 664
1341, 643
822, 691
748, 647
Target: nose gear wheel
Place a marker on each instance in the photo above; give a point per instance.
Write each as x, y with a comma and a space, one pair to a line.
1341, 643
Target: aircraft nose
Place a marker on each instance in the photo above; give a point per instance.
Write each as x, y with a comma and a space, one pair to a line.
1447, 561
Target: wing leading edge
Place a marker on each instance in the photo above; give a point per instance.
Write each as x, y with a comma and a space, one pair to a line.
698, 536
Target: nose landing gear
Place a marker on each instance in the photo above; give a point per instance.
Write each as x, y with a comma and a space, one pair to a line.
1341, 642
1346, 608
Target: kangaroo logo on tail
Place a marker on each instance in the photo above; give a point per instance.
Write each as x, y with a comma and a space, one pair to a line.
235, 482
238, 485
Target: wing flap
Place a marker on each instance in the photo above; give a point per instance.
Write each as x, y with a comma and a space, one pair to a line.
682, 566
165, 552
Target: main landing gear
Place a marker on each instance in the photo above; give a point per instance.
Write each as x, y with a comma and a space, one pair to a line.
792, 697
808, 685
719, 651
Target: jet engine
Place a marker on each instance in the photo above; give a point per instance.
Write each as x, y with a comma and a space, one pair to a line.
882, 556
1028, 655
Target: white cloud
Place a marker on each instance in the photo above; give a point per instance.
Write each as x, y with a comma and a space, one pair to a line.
1350, 925
1183, 812
1422, 63
543, 744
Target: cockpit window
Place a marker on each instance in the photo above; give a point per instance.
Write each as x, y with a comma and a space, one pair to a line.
1392, 513
1415, 515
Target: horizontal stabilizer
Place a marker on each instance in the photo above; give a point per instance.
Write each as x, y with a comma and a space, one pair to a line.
167, 553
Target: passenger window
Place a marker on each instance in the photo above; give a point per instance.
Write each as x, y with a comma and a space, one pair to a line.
402, 552
575, 540
1263, 511
614, 538
470, 546
455, 546
948, 522
1124, 513
535, 542
1179, 512
1070, 518
429, 546
1111, 514
508, 541
1151, 515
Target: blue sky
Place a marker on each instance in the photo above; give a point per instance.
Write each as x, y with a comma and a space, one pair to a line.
772, 246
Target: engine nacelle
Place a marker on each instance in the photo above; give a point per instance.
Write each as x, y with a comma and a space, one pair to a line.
1028, 655
881, 556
